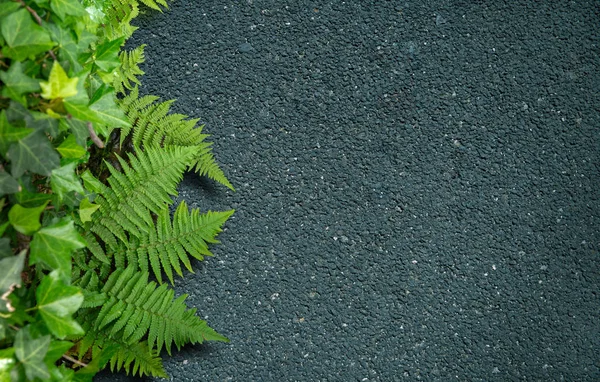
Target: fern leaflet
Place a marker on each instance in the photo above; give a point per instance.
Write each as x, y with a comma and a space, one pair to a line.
136, 308
170, 242
135, 358
119, 14
154, 4
153, 125
143, 187
129, 69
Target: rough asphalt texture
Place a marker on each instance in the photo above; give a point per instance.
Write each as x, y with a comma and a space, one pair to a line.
418, 187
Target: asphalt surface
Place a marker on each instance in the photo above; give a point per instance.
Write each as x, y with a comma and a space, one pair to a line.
418, 187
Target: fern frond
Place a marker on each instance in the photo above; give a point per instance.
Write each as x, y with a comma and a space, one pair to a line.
119, 14
170, 243
154, 4
96, 249
136, 308
143, 187
129, 69
135, 358
153, 125
206, 165
134, 107
89, 283
139, 359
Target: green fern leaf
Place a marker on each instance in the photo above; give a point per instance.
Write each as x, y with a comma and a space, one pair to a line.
96, 249
206, 165
151, 123
172, 242
129, 69
134, 358
154, 4
135, 108
119, 14
143, 187
141, 359
154, 126
136, 307
89, 282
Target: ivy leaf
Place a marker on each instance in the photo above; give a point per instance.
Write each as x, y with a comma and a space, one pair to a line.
26, 220
61, 373
10, 271
79, 130
16, 83
24, 38
82, 89
68, 49
8, 7
107, 54
100, 92
5, 249
91, 183
31, 353
84, 37
33, 153
59, 85
56, 350
7, 362
17, 114
70, 149
44, 122
8, 184
53, 245
31, 199
4, 226
67, 7
81, 111
64, 180
86, 210
108, 111
57, 301
9, 133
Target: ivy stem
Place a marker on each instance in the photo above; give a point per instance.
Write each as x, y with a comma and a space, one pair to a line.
39, 21
75, 361
94, 137
33, 13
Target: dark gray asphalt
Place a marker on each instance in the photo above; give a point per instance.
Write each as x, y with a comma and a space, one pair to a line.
418, 186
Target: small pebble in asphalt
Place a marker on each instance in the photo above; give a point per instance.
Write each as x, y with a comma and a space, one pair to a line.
245, 48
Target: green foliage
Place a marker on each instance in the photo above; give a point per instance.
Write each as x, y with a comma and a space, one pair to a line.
129, 70
88, 174
170, 242
154, 126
